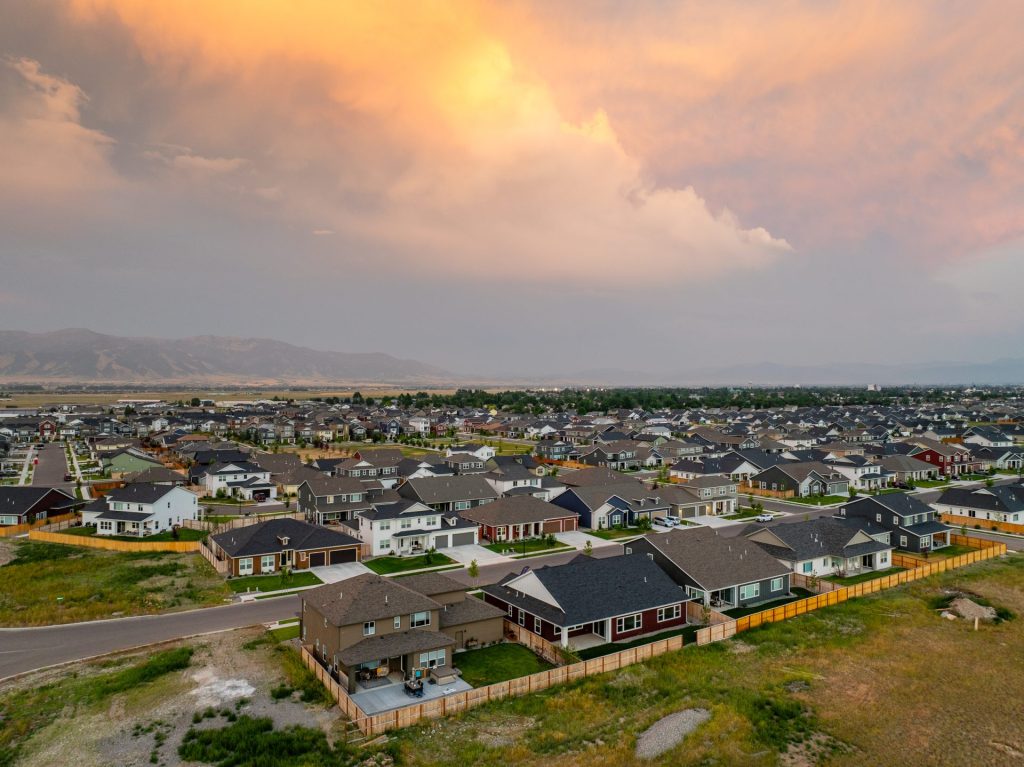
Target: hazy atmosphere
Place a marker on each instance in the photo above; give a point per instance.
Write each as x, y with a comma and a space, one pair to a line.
505, 189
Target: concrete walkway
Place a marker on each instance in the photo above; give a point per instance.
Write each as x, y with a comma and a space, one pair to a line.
23, 479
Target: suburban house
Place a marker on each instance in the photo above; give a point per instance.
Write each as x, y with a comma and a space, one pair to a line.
910, 521
555, 450
620, 455
520, 516
904, 469
483, 452
601, 507
718, 572
591, 601
243, 479
408, 527
803, 479
824, 546
987, 436
370, 630
279, 544
23, 504
129, 460
999, 503
1005, 458
948, 459
159, 475
514, 474
456, 493
712, 495
141, 509
324, 499
380, 465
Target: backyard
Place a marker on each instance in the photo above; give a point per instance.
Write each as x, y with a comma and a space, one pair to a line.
498, 663
797, 594
184, 534
45, 583
868, 576
388, 565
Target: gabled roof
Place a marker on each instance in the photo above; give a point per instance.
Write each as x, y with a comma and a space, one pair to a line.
515, 510
798, 541
140, 492
366, 597
715, 562
464, 487
265, 538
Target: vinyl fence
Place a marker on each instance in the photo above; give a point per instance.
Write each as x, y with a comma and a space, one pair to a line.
104, 543
12, 530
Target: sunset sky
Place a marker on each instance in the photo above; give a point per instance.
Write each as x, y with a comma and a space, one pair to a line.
520, 187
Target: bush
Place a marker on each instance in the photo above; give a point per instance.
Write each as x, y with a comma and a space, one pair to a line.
253, 742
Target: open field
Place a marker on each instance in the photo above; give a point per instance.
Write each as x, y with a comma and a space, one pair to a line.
879, 680
139, 709
45, 583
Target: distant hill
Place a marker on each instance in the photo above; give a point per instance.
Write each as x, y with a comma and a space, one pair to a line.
82, 356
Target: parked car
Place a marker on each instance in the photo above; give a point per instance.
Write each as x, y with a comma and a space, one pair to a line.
666, 521
764, 517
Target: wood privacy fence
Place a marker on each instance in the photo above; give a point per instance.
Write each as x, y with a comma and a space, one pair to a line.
817, 585
237, 522
984, 524
12, 530
220, 565
918, 569
463, 701
538, 644
564, 464
747, 489
91, 542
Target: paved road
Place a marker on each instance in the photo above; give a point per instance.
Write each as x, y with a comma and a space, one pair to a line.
495, 572
53, 465
28, 649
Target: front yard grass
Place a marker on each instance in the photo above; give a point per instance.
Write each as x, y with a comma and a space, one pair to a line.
868, 576
498, 663
388, 565
528, 546
773, 691
744, 513
93, 583
930, 483
274, 582
818, 500
615, 533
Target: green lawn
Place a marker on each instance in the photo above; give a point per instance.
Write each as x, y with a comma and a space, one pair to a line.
950, 551
528, 546
184, 534
820, 500
973, 477
94, 584
688, 633
743, 513
498, 663
388, 565
883, 491
931, 482
798, 594
285, 632
615, 533
869, 576
275, 582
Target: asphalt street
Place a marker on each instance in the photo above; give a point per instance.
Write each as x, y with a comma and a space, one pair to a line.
53, 465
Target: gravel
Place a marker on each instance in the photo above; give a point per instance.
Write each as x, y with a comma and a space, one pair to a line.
667, 733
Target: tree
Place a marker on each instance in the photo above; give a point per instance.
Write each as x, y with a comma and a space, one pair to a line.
195, 402
588, 550
989, 482
853, 492
473, 570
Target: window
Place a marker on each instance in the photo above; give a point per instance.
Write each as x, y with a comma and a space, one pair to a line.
398, 621
878, 517
668, 613
245, 566
808, 567
432, 658
522, 618
267, 564
385, 544
510, 611
537, 623
419, 619
694, 593
461, 505
776, 584
895, 520
903, 541
369, 628
406, 524
750, 591
628, 623
386, 525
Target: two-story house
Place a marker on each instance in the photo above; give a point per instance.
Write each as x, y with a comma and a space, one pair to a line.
910, 522
408, 527
141, 509
456, 493
324, 499
824, 546
242, 479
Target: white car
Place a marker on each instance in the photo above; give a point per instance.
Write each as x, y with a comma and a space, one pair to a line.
764, 517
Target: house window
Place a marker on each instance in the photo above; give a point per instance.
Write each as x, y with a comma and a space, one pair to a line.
398, 621
903, 541
406, 524
522, 618
878, 518
245, 566
267, 564
385, 525
461, 505
537, 623
628, 623
808, 567
750, 591
694, 593
419, 619
668, 613
369, 628
385, 544
432, 658
895, 520
510, 611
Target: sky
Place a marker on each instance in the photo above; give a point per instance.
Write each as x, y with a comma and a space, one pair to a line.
521, 188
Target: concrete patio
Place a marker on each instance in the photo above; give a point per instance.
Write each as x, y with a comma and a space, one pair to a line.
393, 696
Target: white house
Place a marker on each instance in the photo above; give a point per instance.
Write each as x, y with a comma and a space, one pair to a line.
410, 527
483, 452
141, 509
243, 479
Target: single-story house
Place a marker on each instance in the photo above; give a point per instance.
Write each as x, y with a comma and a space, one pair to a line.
824, 546
278, 544
520, 516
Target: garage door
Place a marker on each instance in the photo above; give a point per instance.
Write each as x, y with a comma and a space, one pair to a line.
317, 559
462, 539
440, 541
343, 555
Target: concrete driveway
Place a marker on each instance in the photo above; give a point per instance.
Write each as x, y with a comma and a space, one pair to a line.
466, 554
335, 573
578, 539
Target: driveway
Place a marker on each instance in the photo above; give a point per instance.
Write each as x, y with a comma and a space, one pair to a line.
335, 573
466, 554
578, 539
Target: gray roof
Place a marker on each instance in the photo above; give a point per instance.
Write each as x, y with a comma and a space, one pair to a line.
468, 610
366, 597
816, 538
139, 492
515, 510
1002, 498
431, 583
465, 487
265, 538
715, 562
393, 645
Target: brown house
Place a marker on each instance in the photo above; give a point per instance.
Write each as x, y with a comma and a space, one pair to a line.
520, 516
373, 630
271, 546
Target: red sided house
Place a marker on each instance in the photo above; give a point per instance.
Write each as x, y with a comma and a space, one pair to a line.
589, 601
520, 516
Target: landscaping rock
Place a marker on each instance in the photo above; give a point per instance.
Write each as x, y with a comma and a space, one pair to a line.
969, 610
669, 732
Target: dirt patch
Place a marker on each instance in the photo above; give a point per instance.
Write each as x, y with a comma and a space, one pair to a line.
969, 610
668, 732
504, 731
740, 648
810, 752
6, 551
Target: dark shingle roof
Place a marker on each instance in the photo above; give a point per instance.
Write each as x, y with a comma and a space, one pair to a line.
716, 562
140, 492
515, 510
393, 645
817, 538
263, 538
367, 597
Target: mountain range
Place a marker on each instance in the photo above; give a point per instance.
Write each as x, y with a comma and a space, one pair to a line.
82, 356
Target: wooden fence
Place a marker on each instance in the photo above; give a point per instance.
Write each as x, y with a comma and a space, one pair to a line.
237, 522
97, 542
956, 520
539, 645
746, 489
12, 530
220, 565
817, 585
918, 569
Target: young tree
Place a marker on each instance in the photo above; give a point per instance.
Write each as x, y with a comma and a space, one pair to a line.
473, 570
588, 550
